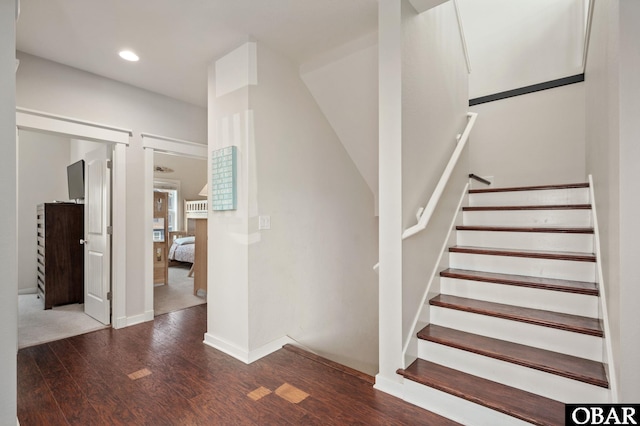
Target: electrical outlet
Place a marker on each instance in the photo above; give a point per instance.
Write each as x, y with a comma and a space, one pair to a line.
264, 222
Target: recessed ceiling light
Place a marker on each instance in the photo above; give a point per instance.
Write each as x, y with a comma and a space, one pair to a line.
128, 55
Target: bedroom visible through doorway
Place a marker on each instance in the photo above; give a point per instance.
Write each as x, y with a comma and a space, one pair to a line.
44, 182
177, 181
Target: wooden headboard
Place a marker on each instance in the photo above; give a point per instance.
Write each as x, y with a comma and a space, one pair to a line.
177, 234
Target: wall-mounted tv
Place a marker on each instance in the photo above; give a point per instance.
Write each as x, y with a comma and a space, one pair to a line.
75, 180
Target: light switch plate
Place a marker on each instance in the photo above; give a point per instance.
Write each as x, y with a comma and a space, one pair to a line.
264, 222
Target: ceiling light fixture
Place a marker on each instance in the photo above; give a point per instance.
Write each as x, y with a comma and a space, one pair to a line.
128, 55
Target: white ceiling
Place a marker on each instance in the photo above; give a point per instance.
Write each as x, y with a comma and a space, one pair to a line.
177, 39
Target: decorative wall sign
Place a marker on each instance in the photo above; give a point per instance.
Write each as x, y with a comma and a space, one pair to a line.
224, 178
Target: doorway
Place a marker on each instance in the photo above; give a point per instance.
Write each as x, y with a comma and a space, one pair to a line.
46, 146
178, 180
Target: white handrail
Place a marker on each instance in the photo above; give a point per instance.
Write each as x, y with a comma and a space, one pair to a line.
442, 183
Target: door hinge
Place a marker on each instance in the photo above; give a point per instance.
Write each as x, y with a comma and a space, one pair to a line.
109, 295
108, 164
109, 230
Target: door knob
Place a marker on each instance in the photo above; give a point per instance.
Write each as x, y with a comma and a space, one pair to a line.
84, 241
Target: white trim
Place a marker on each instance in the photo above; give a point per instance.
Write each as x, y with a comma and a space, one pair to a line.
246, 356
137, 319
147, 209
437, 266
442, 183
119, 322
27, 119
152, 143
30, 290
174, 146
611, 370
392, 387
119, 237
463, 39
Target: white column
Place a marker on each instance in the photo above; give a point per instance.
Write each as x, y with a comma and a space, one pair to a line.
390, 198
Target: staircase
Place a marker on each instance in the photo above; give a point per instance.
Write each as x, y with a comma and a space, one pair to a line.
515, 331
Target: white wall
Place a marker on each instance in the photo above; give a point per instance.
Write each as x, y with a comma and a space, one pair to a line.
309, 277
629, 199
80, 148
230, 123
612, 82
434, 111
318, 255
602, 150
8, 237
344, 83
42, 177
534, 139
190, 172
514, 44
47, 86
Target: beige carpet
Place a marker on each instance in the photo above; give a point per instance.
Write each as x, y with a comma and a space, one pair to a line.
36, 326
178, 294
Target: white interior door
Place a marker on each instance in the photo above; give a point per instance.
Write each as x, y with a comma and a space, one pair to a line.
97, 240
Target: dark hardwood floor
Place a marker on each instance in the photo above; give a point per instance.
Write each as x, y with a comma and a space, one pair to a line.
160, 373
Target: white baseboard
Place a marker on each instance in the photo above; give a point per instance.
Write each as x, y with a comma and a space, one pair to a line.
30, 290
244, 355
123, 322
390, 386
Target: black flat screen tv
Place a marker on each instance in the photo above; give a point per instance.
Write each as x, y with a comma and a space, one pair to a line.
75, 180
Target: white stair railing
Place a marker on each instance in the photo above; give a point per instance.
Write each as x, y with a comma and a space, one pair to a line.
427, 212
424, 214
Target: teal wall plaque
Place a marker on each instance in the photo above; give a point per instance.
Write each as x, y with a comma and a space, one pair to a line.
224, 178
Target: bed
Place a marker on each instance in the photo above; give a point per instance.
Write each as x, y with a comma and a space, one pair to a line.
182, 248
183, 243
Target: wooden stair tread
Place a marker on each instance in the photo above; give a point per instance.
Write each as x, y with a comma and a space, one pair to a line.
533, 207
557, 320
529, 188
505, 399
560, 230
537, 254
583, 370
568, 286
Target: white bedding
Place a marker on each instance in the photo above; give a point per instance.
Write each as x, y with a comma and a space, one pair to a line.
183, 250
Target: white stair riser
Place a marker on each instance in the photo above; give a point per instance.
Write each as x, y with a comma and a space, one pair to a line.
454, 408
570, 343
546, 268
528, 218
526, 297
539, 382
544, 241
531, 198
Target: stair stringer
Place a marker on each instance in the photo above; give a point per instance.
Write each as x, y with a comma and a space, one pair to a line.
421, 319
607, 356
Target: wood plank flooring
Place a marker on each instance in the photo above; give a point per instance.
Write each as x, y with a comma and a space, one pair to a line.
161, 373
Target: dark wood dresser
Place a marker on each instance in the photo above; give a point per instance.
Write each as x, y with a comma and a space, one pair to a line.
60, 256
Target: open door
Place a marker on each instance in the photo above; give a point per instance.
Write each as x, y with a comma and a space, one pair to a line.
97, 231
